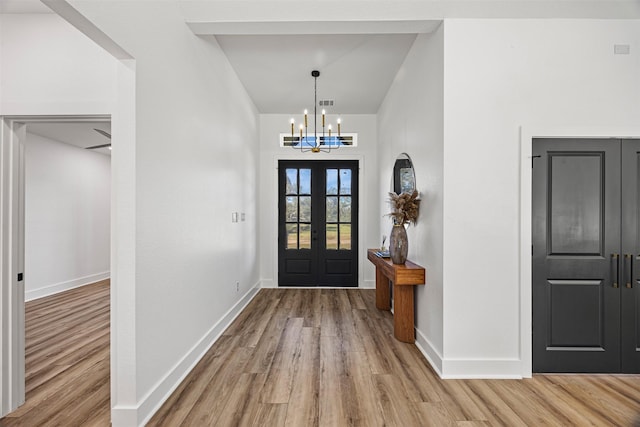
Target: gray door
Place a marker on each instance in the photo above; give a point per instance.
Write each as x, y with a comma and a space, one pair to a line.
585, 242
630, 286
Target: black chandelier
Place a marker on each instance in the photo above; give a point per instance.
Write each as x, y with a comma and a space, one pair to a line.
315, 143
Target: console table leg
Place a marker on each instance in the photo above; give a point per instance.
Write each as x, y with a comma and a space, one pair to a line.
403, 324
383, 299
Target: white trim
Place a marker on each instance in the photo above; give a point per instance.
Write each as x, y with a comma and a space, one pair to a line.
427, 349
527, 133
12, 358
56, 288
368, 284
481, 369
161, 391
267, 283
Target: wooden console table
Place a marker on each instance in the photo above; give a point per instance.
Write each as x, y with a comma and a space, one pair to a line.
404, 277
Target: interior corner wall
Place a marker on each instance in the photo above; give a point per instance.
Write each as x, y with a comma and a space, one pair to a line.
67, 221
410, 120
271, 126
196, 164
501, 75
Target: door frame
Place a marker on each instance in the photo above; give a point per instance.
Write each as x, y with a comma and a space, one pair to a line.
12, 224
12, 330
274, 195
527, 134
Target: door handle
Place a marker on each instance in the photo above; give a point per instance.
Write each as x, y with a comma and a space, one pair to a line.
630, 277
615, 257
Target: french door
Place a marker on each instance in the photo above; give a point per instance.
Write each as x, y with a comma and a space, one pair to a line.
318, 223
586, 245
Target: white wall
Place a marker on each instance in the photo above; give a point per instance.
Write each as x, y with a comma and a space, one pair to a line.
410, 120
67, 221
501, 75
271, 126
185, 138
496, 78
196, 163
41, 72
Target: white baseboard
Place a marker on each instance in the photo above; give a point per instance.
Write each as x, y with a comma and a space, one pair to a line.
368, 284
56, 288
482, 369
153, 400
268, 283
467, 368
432, 355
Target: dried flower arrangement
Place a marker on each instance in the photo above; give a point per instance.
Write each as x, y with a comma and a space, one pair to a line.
406, 207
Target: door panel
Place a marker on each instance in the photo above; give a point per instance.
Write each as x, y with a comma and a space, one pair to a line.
630, 288
576, 228
318, 227
297, 254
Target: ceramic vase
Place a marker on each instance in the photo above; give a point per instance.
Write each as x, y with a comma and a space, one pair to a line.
398, 244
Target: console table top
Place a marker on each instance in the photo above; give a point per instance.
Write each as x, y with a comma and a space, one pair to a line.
408, 273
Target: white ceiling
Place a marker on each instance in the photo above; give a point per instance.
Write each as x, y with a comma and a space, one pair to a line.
356, 70
78, 133
357, 59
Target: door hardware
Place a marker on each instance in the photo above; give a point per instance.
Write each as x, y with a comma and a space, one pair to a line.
630, 277
616, 257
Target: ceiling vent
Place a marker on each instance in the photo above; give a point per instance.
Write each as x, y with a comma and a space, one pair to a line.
326, 103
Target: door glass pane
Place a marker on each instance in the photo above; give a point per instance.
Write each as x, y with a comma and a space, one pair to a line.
291, 209
345, 181
345, 236
305, 181
305, 236
332, 181
345, 209
292, 181
305, 208
332, 236
292, 236
332, 209
576, 204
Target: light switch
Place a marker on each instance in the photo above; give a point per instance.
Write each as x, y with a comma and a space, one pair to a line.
242, 217
234, 217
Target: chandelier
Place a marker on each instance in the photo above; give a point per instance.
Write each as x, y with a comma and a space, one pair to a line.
315, 142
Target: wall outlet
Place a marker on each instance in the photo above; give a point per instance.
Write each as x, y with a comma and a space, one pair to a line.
237, 286
621, 49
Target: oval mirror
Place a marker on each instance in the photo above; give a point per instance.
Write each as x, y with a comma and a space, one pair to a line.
404, 177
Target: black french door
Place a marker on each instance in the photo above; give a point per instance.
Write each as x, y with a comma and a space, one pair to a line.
318, 223
586, 246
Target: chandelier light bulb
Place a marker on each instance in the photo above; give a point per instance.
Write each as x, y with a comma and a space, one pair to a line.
315, 142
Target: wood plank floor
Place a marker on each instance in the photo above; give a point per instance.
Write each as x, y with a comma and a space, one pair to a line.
66, 360
298, 357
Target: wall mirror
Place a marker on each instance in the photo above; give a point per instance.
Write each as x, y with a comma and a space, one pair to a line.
404, 177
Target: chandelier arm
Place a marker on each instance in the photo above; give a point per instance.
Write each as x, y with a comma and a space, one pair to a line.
316, 146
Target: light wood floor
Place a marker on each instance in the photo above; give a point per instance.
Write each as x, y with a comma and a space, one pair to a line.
328, 358
300, 358
67, 360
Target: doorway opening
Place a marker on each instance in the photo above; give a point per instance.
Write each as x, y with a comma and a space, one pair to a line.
318, 223
62, 239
